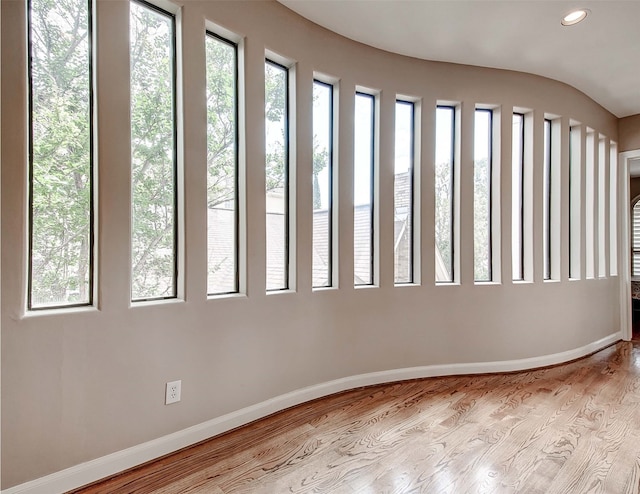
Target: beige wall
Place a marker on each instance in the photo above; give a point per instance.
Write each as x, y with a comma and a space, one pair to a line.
629, 133
634, 188
77, 385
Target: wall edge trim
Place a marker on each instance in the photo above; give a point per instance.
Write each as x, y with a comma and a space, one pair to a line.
111, 464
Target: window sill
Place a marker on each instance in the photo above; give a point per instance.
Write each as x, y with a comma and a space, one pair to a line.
364, 287
279, 292
320, 289
226, 296
152, 303
60, 311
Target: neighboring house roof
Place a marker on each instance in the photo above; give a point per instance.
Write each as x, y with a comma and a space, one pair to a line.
321, 262
362, 245
221, 245
276, 244
221, 251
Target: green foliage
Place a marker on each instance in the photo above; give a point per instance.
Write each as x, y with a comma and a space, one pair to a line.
61, 154
320, 162
322, 100
443, 212
275, 82
482, 220
221, 159
61, 151
152, 154
221, 122
481, 207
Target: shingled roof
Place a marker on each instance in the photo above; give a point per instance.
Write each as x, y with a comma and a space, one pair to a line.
221, 276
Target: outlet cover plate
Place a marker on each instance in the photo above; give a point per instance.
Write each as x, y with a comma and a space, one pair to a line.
173, 392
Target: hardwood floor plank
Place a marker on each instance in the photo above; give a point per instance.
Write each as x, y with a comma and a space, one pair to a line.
573, 428
632, 482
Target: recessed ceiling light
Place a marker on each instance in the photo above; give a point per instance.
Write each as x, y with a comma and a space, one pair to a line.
574, 17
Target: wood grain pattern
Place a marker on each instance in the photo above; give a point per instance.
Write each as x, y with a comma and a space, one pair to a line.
572, 428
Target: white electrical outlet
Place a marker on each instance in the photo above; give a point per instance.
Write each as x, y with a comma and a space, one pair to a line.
172, 393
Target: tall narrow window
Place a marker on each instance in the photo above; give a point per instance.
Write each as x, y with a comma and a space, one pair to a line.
444, 182
574, 202
60, 157
613, 209
482, 195
602, 206
517, 196
277, 174
222, 165
590, 204
635, 254
153, 153
403, 192
322, 183
546, 201
363, 189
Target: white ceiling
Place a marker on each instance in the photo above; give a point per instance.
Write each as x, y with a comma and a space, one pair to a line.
600, 56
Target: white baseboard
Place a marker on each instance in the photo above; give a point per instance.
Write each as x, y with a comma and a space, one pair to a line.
91, 471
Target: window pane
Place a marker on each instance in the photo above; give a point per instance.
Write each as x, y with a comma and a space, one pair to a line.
517, 189
444, 180
590, 205
403, 197
602, 208
636, 240
363, 190
636, 227
613, 209
546, 201
322, 182
61, 260
222, 166
482, 195
153, 153
574, 202
276, 175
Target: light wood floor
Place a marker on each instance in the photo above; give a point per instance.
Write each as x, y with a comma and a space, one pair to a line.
573, 428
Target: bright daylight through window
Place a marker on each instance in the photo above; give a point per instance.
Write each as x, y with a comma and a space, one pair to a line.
603, 175
482, 195
517, 190
322, 184
546, 201
590, 203
635, 264
444, 182
222, 165
277, 174
403, 192
574, 202
363, 189
613, 209
61, 148
153, 153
